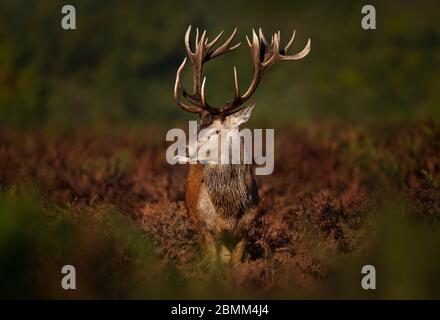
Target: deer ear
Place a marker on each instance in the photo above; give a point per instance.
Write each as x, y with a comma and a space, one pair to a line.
205, 134
240, 117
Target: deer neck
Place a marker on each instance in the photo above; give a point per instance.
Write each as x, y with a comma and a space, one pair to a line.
231, 187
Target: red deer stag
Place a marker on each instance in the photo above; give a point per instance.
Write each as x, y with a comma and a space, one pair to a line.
222, 199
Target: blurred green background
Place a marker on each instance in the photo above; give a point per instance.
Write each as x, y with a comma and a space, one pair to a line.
118, 67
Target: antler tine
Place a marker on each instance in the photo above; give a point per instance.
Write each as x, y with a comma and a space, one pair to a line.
234, 47
289, 44
255, 49
178, 91
187, 44
202, 92
249, 42
255, 52
210, 44
202, 38
262, 38
275, 51
236, 88
224, 47
299, 55
197, 39
200, 45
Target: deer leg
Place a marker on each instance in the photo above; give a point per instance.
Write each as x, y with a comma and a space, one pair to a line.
225, 255
238, 251
211, 246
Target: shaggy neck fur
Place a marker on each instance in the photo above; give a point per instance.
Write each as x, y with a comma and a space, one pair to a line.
231, 187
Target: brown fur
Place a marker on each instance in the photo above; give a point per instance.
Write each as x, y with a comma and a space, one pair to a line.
221, 200
193, 184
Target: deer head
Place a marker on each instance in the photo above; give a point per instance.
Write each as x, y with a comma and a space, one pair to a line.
230, 115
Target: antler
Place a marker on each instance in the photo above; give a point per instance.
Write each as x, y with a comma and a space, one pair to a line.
202, 53
264, 55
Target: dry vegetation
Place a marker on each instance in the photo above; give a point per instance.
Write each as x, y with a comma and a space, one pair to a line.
327, 185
